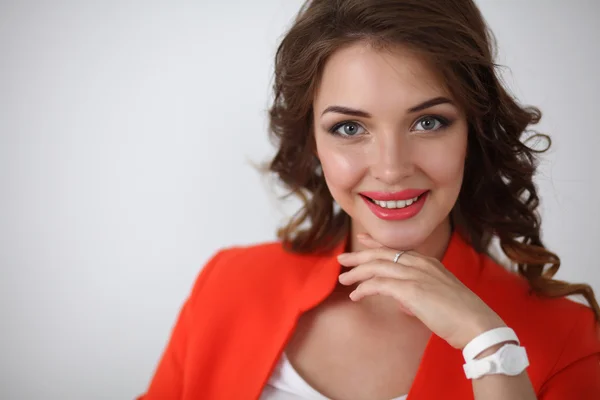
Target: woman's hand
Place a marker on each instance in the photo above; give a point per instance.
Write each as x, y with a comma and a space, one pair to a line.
423, 288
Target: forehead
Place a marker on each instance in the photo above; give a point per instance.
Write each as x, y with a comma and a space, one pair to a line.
362, 76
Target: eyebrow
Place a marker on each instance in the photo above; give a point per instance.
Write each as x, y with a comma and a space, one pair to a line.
363, 114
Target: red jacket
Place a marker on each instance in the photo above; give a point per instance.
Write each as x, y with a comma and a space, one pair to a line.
245, 303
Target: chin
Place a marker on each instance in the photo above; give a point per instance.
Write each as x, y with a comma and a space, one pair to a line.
399, 238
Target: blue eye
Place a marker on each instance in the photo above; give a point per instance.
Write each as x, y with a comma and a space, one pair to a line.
430, 123
347, 129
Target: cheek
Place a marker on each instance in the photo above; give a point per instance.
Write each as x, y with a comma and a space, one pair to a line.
343, 166
444, 162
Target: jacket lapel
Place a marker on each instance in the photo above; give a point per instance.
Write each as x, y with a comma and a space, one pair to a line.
266, 334
440, 374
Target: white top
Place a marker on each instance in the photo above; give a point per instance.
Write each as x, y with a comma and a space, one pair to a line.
286, 384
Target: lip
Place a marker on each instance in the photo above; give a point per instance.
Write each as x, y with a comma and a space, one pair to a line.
394, 196
397, 214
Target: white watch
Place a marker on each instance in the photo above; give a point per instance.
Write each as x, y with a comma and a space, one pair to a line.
510, 360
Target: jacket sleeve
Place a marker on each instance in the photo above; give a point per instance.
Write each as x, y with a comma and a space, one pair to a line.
167, 382
576, 375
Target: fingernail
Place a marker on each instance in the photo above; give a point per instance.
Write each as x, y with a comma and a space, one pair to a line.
343, 256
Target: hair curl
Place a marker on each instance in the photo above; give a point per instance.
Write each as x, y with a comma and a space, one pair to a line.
498, 197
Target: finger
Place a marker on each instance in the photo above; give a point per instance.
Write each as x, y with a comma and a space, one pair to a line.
408, 258
400, 289
364, 256
411, 259
369, 290
377, 268
367, 240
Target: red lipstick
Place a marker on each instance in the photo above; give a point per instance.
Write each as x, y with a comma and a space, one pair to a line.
395, 214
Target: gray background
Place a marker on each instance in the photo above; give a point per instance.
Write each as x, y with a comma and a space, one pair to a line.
127, 136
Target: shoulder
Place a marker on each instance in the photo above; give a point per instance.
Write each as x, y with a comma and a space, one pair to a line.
557, 332
250, 270
512, 295
269, 258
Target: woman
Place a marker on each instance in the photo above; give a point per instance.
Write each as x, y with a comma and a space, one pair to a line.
394, 130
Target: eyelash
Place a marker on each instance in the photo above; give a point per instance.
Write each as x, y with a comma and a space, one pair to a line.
445, 123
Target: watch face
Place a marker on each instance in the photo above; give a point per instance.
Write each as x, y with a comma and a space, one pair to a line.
513, 359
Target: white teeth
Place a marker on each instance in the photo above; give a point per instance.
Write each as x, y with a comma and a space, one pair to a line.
396, 204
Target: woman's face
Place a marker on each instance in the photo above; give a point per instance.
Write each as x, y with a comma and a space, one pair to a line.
391, 141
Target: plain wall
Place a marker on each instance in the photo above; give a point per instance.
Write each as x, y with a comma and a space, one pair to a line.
127, 136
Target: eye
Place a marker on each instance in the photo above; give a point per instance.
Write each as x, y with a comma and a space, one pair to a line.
347, 129
430, 123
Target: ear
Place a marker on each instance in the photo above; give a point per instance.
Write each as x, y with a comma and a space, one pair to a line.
315, 153
312, 145
319, 168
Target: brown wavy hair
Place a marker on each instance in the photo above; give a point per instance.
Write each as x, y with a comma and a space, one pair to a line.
498, 197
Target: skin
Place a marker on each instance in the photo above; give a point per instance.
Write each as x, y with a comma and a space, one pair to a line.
356, 344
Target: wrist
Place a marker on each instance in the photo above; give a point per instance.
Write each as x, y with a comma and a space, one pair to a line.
483, 326
509, 360
495, 351
487, 341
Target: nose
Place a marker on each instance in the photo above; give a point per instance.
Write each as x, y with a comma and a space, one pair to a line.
392, 160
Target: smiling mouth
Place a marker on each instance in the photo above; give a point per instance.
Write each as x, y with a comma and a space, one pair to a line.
395, 204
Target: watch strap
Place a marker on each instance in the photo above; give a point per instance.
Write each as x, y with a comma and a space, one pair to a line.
488, 339
509, 360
